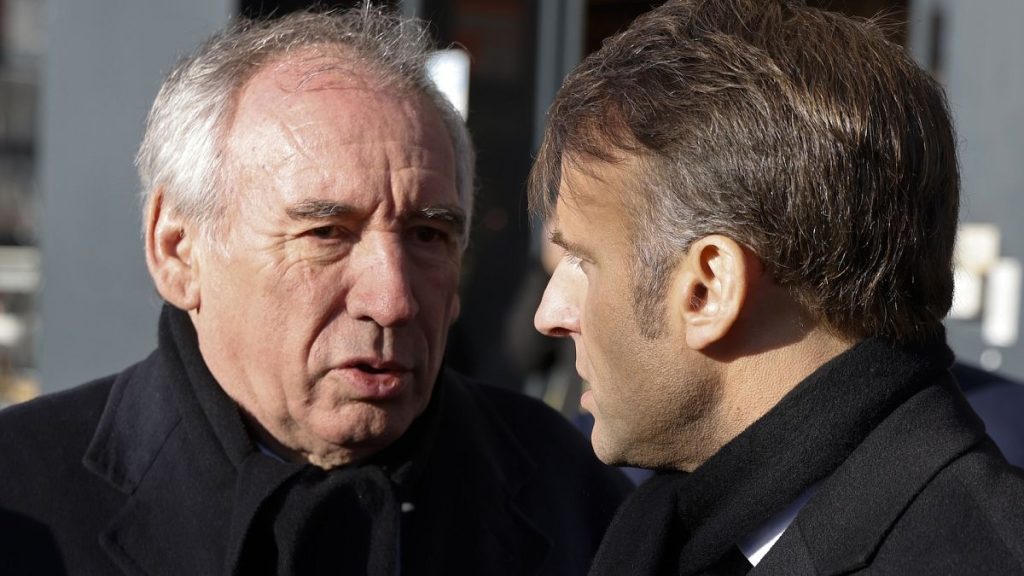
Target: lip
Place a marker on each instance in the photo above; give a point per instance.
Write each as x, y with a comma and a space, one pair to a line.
380, 364
587, 401
375, 379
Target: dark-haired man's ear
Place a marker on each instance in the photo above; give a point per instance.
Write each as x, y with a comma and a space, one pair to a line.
170, 244
711, 288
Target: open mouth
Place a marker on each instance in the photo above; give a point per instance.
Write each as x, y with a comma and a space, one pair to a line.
371, 380
372, 370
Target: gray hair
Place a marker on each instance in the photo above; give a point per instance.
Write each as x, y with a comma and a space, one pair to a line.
183, 147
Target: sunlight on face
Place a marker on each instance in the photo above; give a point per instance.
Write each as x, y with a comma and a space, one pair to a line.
325, 316
649, 396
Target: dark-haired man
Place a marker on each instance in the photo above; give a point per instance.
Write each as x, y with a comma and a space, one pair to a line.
758, 201
308, 196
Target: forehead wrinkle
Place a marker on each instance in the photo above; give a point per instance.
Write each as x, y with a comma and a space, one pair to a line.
320, 66
270, 122
268, 93
406, 170
296, 144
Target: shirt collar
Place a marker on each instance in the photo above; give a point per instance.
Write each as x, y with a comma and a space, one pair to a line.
756, 544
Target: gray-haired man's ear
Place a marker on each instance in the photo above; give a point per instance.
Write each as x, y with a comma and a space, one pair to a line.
170, 242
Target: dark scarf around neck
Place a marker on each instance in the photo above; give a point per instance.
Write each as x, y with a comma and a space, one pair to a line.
293, 518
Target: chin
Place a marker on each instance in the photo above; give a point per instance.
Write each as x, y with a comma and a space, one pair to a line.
619, 451
605, 450
356, 429
613, 458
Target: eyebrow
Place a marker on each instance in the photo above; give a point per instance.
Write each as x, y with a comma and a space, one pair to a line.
573, 248
320, 209
452, 215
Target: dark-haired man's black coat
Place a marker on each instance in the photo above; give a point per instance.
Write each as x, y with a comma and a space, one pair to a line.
147, 472
903, 480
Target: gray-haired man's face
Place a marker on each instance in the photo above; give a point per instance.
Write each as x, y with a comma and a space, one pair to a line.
326, 314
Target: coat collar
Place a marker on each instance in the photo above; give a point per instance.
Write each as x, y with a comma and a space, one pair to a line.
138, 418
847, 520
801, 441
153, 399
155, 444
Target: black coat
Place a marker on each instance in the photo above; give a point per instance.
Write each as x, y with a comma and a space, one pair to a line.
130, 475
907, 482
926, 493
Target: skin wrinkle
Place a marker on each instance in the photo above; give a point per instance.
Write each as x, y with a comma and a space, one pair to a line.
182, 151
326, 75
298, 148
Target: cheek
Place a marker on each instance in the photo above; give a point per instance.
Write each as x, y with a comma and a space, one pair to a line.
301, 323
437, 292
613, 350
605, 320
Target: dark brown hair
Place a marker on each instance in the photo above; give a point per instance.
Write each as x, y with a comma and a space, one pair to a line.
803, 134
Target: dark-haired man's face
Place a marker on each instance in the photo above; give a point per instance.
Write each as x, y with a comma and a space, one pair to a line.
652, 399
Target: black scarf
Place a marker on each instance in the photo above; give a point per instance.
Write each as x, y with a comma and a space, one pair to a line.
292, 518
678, 523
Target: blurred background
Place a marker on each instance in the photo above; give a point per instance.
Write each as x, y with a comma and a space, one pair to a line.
77, 78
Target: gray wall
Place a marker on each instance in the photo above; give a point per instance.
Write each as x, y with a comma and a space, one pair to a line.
104, 64
984, 75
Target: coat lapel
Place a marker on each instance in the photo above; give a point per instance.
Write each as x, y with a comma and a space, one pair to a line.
845, 523
510, 531
478, 479
177, 487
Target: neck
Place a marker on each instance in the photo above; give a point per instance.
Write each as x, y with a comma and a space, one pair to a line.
753, 383
758, 382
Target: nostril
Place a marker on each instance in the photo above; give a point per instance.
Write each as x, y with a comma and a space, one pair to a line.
557, 320
557, 332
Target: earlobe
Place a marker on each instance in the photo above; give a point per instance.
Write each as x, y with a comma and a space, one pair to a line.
170, 245
712, 288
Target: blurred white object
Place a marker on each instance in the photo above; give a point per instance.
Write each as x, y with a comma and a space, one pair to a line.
449, 69
19, 269
11, 330
977, 250
977, 247
1001, 319
991, 359
967, 292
